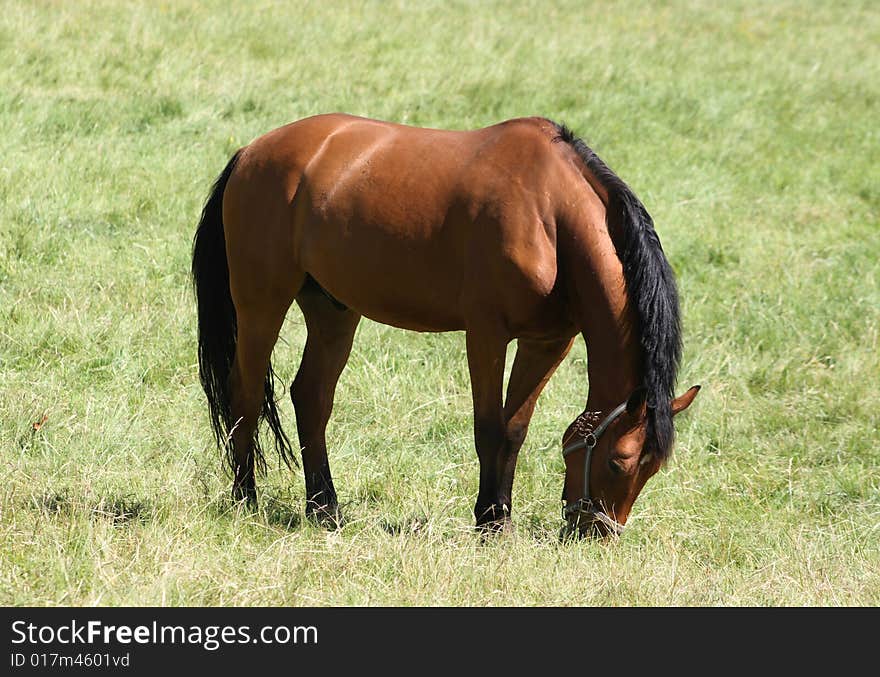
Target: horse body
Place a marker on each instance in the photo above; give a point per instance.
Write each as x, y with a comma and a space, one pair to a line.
503, 232
343, 207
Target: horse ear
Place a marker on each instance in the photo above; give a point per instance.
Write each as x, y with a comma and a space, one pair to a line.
682, 402
637, 400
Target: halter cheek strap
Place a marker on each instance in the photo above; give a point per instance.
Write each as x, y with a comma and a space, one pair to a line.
585, 506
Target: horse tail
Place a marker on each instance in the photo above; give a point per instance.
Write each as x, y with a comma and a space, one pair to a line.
216, 314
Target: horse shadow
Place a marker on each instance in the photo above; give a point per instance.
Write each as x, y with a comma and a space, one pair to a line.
282, 514
117, 509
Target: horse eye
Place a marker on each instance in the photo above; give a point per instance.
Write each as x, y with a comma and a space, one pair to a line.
614, 467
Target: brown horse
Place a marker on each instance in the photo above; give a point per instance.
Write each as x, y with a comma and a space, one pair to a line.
517, 231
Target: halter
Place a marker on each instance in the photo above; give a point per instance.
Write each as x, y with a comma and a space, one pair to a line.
585, 506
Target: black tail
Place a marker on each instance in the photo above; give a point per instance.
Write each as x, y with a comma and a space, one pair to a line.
217, 329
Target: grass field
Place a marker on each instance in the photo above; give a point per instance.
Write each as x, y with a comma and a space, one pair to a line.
749, 130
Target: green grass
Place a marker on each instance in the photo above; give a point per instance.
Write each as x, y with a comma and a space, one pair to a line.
750, 132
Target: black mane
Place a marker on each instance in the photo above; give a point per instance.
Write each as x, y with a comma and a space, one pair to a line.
651, 292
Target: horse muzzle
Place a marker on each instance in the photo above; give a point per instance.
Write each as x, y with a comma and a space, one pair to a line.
585, 518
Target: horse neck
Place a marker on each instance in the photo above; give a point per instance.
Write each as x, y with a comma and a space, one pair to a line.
613, 366
599, 308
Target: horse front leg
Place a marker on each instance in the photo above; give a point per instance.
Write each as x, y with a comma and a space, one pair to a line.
486, 351
533, 366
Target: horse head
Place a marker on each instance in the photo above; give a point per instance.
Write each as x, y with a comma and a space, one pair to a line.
609, 456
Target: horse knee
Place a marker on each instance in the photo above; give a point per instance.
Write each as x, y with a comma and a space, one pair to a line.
515, 435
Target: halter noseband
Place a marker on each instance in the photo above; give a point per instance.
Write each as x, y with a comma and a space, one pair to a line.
585, 506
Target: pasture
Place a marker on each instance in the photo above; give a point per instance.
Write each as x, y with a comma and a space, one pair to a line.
750, 132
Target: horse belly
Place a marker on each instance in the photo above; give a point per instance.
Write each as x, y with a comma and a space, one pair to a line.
395, 279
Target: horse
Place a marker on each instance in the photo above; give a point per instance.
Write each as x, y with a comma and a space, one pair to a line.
514, 231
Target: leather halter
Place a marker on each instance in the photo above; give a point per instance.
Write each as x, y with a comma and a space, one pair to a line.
585, 506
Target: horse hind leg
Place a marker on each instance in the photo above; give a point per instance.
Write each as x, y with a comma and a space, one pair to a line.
259, 317
263, 278
250, 390
331, 329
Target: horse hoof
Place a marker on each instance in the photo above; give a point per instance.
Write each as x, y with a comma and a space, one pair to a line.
495, 522
493, 527
326, 516
495, 519
246, 496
